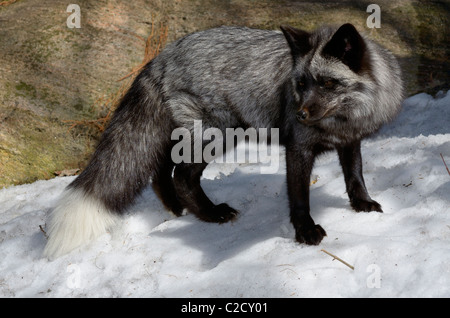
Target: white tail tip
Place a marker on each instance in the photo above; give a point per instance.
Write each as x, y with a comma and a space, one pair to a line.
76, 220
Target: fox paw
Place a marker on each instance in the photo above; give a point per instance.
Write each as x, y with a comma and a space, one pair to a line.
311, 235
360, 205
220, 213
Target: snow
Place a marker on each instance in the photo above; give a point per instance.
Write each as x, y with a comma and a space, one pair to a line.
403, 252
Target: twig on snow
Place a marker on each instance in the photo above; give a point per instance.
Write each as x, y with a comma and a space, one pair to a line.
340, 260
445, 164
43, 231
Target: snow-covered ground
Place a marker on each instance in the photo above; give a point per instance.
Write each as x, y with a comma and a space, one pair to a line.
404, 252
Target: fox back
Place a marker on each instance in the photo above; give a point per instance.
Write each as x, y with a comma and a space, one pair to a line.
237, 77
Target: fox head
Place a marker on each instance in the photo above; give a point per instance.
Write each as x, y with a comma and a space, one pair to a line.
339, 76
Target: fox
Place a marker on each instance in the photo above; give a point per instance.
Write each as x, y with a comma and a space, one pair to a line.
324, 90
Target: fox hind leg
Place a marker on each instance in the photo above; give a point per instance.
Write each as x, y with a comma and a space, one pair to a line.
162, 183
192, 196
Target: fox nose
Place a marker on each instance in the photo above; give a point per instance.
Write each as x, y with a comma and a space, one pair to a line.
302, 114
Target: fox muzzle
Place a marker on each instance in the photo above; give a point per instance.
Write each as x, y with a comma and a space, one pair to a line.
302, 114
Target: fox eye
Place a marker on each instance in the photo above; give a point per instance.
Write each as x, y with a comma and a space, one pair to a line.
328, 84
301, 84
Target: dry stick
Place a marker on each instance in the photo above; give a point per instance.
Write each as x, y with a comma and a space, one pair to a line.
445, 164
7, 3
335, 257
150, 52
43, 231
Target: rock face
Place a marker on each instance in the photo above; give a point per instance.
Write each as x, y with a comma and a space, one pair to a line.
53, 76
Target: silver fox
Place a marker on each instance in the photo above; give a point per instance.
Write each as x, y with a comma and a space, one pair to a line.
324, 90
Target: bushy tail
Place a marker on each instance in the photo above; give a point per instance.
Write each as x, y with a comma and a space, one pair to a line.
128, 154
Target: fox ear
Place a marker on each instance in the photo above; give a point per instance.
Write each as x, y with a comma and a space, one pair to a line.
348, 46
298, 40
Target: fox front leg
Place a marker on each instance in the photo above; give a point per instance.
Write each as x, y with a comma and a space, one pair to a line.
351, 162
299, 165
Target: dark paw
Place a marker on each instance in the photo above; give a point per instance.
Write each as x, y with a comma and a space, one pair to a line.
176, 209
365, 205
311, 235
221, 213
